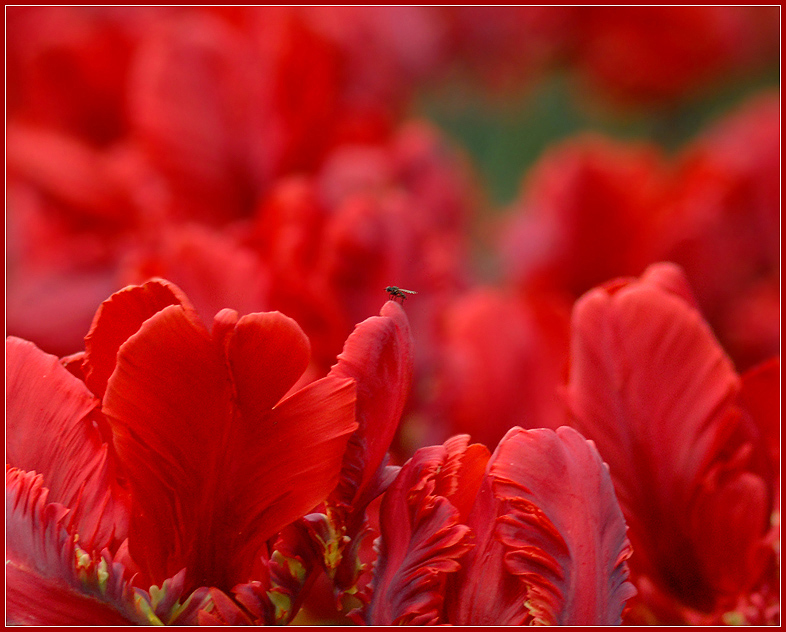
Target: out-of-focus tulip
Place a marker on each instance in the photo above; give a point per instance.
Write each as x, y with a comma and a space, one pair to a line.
651, 386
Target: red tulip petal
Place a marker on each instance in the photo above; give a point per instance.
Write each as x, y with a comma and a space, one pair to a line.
213, 470
421, 539
50, 429
550, 537
729, 512
670, 278
168, 402
69, 171
761, 387
190, 107
582, 509
379, 356
652, 387
49, 580
473, 466
267, 349
297, 464
118, 317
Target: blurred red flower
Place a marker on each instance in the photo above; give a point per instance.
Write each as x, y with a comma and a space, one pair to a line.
658, 56
507, 48
651, 386
592, 209
721, 224
584, 214
373, 213
500, 361
532, 534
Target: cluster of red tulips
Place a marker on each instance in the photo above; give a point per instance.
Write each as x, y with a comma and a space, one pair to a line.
258, 373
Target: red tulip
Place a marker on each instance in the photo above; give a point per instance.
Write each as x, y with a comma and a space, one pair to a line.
178, 457
650, 385
533, 534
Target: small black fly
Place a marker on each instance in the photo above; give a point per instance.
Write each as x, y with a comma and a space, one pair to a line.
397, 292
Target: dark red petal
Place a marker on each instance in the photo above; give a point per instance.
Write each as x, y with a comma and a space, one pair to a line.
214, 471
550, 537
652, 387
647, 381
50, 430
379, 356
729, 512
117, 319
49, 580
226, 610
421, 541
267, 349
760, 394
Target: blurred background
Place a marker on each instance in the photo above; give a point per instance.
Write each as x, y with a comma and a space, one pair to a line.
500, 161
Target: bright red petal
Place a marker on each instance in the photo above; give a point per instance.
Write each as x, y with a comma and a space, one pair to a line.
167, 402
652, 387
214, 471
294, 456
50, 429
550, 537
379, 356
267, 348
118, 317
49, 580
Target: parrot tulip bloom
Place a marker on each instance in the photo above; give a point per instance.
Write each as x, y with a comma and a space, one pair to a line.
651, 386
532, 534
170, 455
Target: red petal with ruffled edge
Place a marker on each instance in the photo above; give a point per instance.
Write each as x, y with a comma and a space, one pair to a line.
214, 470
50, 429
49, 579
422, 538
652, 387
550, 537
118, 317
379, 356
